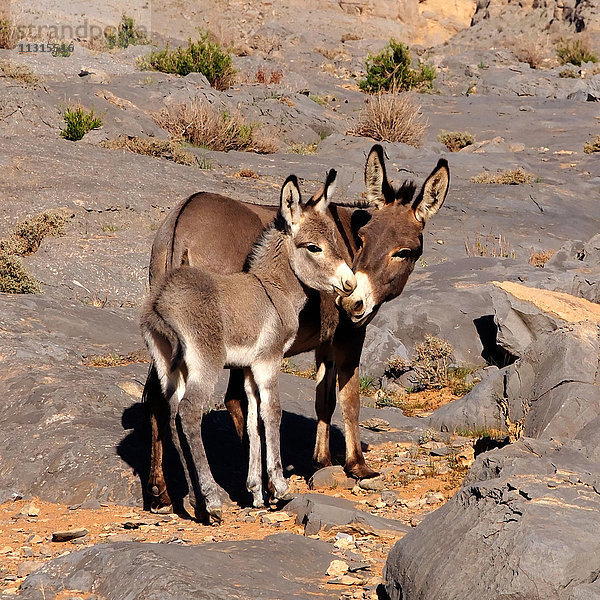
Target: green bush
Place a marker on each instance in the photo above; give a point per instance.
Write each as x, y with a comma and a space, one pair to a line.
203, 56
127, 34
391, 69
79, 122
575, 52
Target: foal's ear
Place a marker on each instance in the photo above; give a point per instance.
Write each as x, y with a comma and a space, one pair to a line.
321, 200
379, 190
434, 191
290, 202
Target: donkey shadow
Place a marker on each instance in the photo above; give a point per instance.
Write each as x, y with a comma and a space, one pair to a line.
227, 456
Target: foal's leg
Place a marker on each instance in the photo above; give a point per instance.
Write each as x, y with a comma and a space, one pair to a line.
191, 408
254, 481
266, 377
325, 402
159, 422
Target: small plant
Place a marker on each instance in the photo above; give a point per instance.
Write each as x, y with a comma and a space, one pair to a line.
14, 278
592, 146
320, 100
288, 367
201, 124
456, 140
429, 435
21, 73
531, 50
575, 52
569, 73
28, 235
79, 122
391, 117
203, 56
8, 34
433, 357
489, 245
366, 385
62, 50
151, 147
205, 164
126, 34
482, 65
109, 228
113, 359
507, 177
458, 380
247, 174
541, 257
304, 149
274, 77
391, 69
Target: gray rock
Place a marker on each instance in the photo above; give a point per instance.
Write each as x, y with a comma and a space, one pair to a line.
330, 477
283, 566
318, 512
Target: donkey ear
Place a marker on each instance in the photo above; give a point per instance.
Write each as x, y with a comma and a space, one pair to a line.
434, 191
290, 202
379, 190
321, 200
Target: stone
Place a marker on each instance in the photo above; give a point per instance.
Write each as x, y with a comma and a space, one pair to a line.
373, 484
68, 534
329, 478
28, 566
337, 568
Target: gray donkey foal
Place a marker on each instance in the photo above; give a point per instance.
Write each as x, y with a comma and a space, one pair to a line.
195, 323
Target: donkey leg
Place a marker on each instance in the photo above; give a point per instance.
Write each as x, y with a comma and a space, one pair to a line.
235, 399
159, 423
265, 375
347, 357
191, 409
254, 481
324, 403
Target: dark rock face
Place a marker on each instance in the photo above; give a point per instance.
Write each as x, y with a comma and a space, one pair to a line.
281, 566
523, 526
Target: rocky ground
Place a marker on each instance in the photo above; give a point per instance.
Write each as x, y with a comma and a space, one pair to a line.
74, 447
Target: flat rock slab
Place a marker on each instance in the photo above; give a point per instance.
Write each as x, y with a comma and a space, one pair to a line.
316, 512
282, 566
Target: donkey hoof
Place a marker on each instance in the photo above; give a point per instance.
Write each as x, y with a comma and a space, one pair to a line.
161, 509
361, 471
287, 497
189, 506
215, 515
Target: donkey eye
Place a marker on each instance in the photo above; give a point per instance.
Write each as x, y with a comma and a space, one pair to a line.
401, 254
313, 248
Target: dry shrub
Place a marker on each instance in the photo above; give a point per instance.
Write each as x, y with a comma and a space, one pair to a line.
456, 140
392, 117
350, 37
14, 278
331, 53
303, 149
21, 73
112, 359
531, 49
247, 173
28, 235
576, 51
489, 245
507, 177
541, 257
592, 146
9, 34
201, 124
151, 147
272, 77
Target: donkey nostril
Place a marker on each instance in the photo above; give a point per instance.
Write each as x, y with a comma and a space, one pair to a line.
358, 306
349, 286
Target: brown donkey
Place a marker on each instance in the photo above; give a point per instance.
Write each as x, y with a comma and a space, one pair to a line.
195, 323
383, 239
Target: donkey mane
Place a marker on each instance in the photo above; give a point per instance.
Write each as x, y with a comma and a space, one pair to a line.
264, 243
404, 194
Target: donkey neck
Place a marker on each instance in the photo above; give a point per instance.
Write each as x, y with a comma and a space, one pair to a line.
270, 264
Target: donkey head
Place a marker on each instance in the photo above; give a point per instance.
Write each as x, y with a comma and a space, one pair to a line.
315, 252
390, 238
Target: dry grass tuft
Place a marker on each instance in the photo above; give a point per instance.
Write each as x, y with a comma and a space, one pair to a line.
112, 359
303, 149
592, 146
489, 245
201, 124
28, 235
531, 49
541, 257
508, 177
9, 34
456, 140
21, 73
392, 117
576, 51
247, 173
270, 77
14, 278
151, 147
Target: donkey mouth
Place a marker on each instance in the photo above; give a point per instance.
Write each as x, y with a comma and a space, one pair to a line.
342, 292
